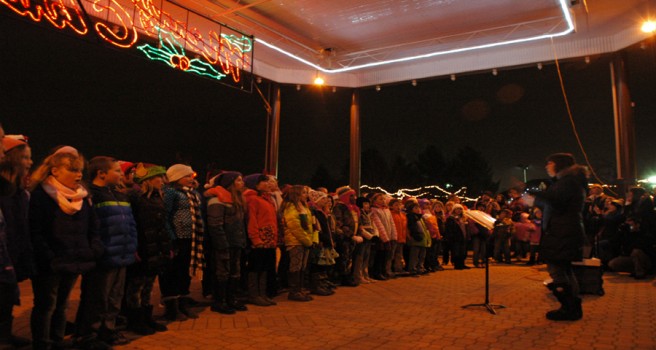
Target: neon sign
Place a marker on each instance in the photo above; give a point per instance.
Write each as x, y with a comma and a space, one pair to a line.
172, 54
197, 45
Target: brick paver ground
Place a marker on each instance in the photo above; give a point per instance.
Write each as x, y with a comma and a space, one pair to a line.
418, 313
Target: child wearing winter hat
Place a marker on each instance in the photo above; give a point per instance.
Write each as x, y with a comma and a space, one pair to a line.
16, 260
456, 230
225, 224
381, 218
347, 215
262, 228
418, 238
502, 232
153, 248
325, 262
523, 229
186, 227
401, 224
128, 182
367, 233
318, 200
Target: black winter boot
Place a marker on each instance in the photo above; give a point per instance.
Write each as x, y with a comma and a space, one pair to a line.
136, 322
315, 285
185, 308
231, 295
570, 306
173, 311
303, 283
220, 304
150, 322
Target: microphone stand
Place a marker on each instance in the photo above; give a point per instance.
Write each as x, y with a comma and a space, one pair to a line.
487, 305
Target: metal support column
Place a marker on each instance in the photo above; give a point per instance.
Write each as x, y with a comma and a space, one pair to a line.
624, 123
273, 133
354, 153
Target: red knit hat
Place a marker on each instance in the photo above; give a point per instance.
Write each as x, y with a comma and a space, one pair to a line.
126, 166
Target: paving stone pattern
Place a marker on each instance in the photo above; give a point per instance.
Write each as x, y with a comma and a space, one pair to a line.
416, 313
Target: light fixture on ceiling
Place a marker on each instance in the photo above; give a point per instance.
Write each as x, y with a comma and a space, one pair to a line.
334, 88
453, 77
258, 80
495, 72
587, 59
298, 87
648, 26
539, 65
318, 81
414, 82
377, 87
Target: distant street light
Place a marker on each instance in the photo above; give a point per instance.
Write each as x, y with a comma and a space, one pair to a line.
524, 168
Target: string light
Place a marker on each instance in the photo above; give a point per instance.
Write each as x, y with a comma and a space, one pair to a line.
419, 192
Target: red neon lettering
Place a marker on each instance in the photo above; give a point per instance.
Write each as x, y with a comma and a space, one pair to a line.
54, 12
124, 34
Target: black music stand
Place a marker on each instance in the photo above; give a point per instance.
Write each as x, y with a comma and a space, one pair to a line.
488, 306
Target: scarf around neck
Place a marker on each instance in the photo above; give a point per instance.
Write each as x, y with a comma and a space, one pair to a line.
197, 264
70, 201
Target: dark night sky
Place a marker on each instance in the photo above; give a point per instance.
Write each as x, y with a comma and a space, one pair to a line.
59, 89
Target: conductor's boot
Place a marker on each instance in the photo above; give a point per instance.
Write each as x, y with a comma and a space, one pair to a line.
570, 305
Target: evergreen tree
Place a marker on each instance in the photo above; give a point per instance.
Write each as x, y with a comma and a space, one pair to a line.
469, 169
431, 166
323, 178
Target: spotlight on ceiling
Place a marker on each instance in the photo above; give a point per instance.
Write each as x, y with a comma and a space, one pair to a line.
377, 87
495, 72
540, 66
414, 82
318, 81
587, 59
298, 87
453, 77
648, 26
